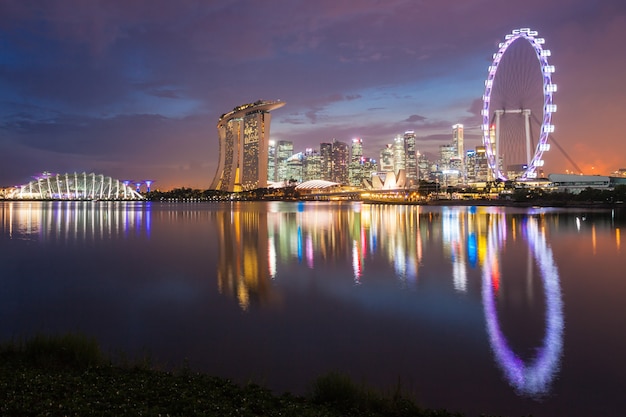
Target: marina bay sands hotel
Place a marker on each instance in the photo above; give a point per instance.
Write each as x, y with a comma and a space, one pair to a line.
244, 136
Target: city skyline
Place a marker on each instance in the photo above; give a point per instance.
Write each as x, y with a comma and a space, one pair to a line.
134, 91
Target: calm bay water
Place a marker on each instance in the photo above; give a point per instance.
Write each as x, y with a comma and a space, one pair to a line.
475, 309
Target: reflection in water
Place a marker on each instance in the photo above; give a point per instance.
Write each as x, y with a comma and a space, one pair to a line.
246, 262
74, 221
255, 247
261, 244
532, 379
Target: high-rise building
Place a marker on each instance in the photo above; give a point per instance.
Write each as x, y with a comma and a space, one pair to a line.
477, 169
355, 169
244, 142
423, 167
457, 140
399, 155
294, 166
446, 154
271, 161
311, 166
411, 154
369, 167
284, 151
326, 162
386, 159
340, 158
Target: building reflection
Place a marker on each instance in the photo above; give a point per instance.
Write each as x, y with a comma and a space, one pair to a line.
74, 221
255, 248
245, 264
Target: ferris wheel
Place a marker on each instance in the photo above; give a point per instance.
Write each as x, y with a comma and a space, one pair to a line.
518, 106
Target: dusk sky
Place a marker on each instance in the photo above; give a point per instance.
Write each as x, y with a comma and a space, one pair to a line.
133, 89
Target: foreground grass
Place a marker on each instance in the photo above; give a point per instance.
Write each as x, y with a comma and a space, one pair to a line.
69, 376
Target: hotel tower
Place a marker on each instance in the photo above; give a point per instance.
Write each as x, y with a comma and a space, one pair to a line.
244, 139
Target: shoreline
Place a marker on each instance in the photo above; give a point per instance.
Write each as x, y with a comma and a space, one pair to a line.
505, 203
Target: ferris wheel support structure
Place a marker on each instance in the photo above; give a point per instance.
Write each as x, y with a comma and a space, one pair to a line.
526, 113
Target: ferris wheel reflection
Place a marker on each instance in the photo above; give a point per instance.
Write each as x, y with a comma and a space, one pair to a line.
534, 377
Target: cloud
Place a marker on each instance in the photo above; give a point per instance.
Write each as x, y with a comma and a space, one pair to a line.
415, 118
141, 84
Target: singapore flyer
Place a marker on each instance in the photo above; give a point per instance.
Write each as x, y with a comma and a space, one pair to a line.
518, 106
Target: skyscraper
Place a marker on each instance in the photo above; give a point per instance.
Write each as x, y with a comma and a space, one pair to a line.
340, 157
399, 155
411, 158
457, 140
271, 161
386, 158
244, 135
326, 163
284, 151
355, 169
312, 165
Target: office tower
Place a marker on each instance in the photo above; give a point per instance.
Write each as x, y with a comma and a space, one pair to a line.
294, 165
284, 151
244, 142
399, 155
369, 167
423, 167
311, 166
326, 163
340, 157
446, 153
355, 169
410, 153
271, 161
386, 158
477, 169
457, 140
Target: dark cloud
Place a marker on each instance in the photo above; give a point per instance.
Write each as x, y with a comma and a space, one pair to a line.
415, 118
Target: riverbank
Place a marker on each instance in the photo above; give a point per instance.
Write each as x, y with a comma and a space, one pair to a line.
69, 376
505, 203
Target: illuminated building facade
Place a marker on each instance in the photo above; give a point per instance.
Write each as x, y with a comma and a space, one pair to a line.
244, 142
356, 167
340, 157
284, 151
457, 140
312, 166
334, 160
74, 186
446, 154
386, 159
271, 161
477, 166
326, 163
294, 167
410, 154
399, 155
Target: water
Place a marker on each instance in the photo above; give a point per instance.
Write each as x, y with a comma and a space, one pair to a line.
478, 310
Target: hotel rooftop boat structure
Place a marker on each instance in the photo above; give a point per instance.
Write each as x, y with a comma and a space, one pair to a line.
244, 139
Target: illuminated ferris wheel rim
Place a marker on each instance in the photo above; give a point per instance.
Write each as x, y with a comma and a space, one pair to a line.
533, 377
548, 106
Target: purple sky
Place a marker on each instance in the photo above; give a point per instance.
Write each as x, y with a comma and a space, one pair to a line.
134, 89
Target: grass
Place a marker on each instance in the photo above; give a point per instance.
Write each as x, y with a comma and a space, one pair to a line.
69, 376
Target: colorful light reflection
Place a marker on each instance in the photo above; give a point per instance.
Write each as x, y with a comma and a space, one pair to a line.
532, 379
